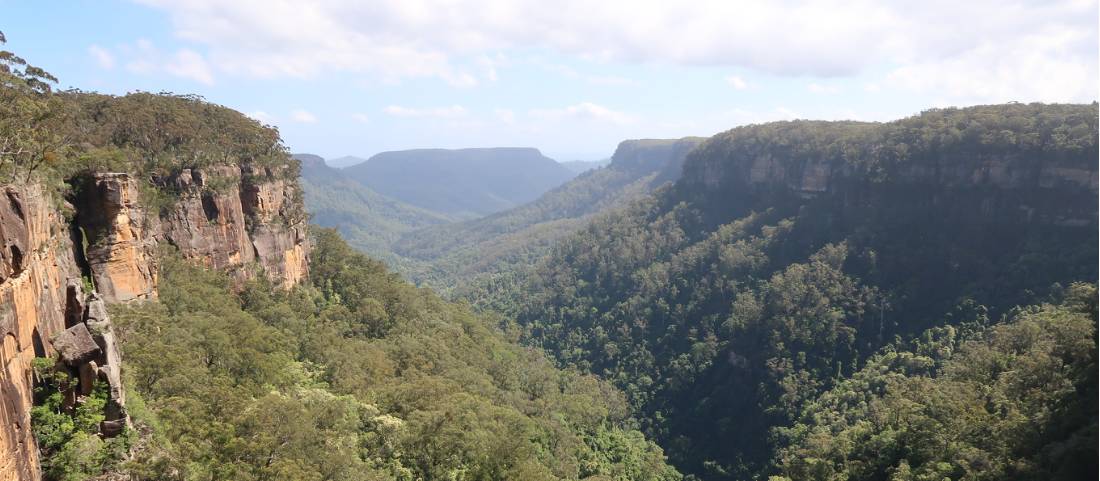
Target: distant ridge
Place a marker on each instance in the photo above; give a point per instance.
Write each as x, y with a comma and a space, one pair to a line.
464, 183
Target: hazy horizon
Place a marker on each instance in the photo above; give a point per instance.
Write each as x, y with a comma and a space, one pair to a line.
571, 79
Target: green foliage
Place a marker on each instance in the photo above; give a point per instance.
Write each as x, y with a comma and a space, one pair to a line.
360, 376
55, 136
28, 111
68, 433
723, 305
1016, 402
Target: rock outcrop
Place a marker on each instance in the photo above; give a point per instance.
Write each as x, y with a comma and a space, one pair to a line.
243, 220
230, 217
120, 236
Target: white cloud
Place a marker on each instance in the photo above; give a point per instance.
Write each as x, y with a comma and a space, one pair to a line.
189, 64
452, 111
976, 50
102, 57
145, 58
737, 83
1042, 67
360, 117
583, 111
817, 88
303, 116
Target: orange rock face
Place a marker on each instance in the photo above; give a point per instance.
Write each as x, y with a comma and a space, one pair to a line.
121, 238
37, 263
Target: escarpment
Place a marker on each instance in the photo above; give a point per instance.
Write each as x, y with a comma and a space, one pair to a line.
999, 164
246, 220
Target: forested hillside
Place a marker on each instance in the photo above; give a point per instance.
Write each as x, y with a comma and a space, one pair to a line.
465, 255
357, 376
743, 305
369, 221
465, 183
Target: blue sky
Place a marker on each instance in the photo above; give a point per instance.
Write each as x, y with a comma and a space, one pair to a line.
572, 78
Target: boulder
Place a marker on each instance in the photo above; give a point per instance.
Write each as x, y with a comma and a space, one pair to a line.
88, 373
75, 345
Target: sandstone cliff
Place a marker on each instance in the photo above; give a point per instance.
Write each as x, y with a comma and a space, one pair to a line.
244, 220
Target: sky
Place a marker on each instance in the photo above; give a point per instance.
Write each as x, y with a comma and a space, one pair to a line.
570, 77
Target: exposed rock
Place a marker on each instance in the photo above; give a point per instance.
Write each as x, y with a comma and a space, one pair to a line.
88, 374
110, 363
36, 260
111, 428
97, 309
75, 345
121, 237
208, 222
228, 217
74, 302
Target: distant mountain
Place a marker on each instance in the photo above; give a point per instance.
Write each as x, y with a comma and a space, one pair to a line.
345, 161
464, 183
482, 245
581, 166
368, 220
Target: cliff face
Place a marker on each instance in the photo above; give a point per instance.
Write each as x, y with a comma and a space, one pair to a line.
991, 164
243, 220
224, 217
35, 264
647, 155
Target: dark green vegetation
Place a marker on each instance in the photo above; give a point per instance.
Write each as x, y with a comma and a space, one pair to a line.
790, 255
464, 183
68, 435
358, 376
1014, 401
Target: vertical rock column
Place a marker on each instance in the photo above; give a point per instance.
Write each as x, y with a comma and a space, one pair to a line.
121, 237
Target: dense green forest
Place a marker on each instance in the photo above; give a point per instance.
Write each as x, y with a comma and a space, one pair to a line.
727, 304
359, 376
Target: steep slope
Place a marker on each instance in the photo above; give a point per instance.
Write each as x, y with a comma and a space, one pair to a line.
465, 183
253, 350
789, 252
499, 242
370, 221
359, 376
